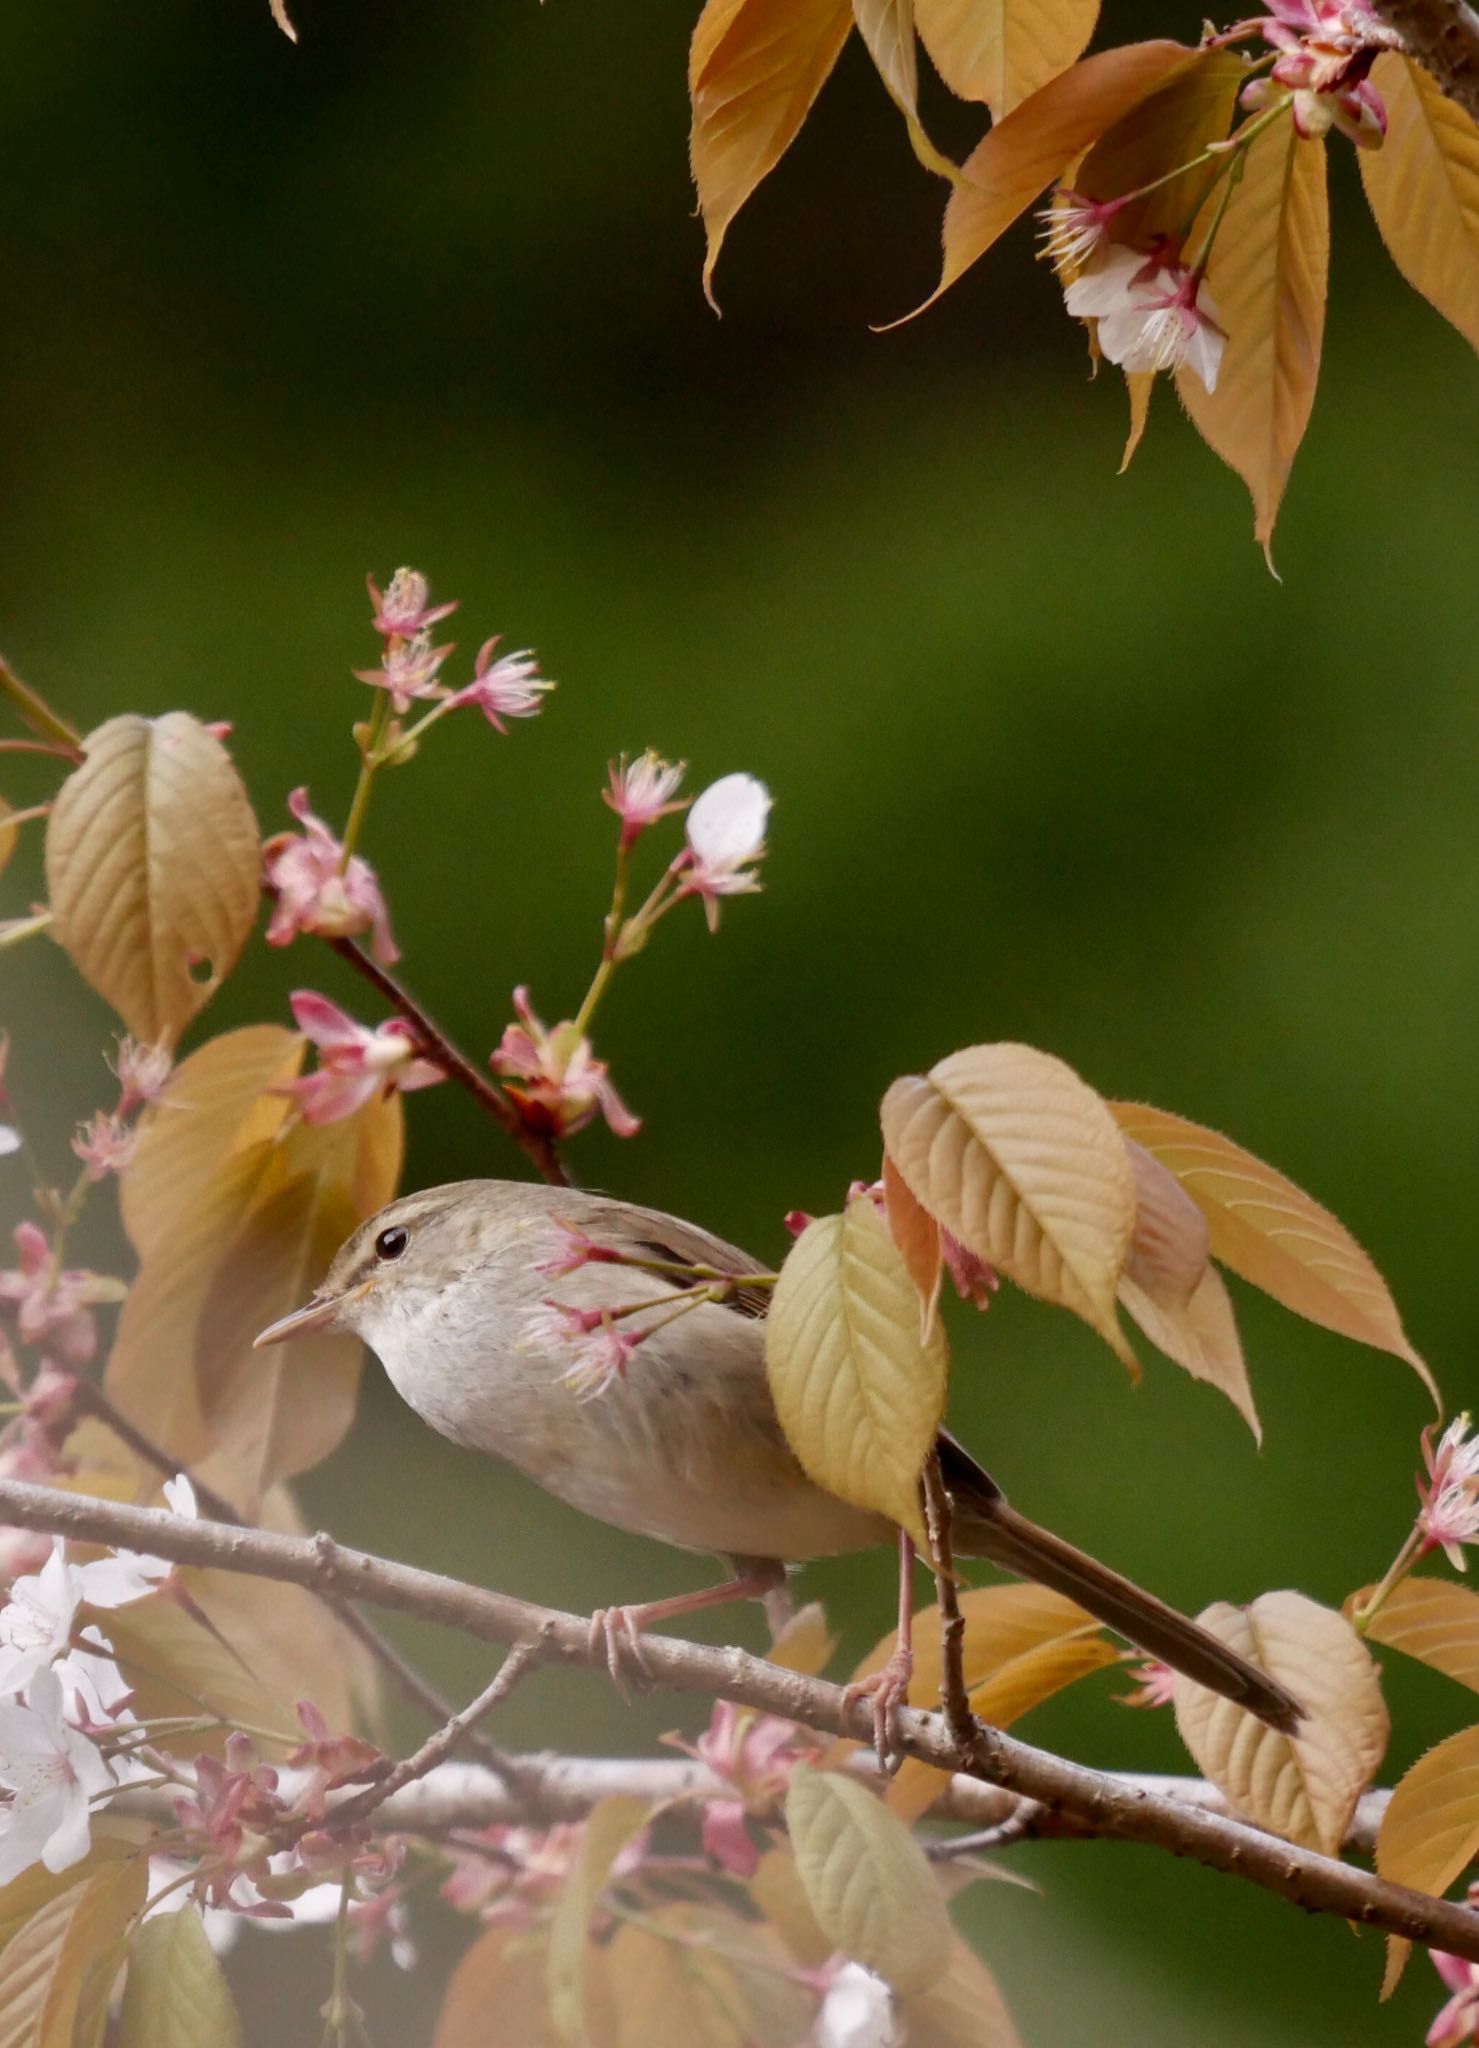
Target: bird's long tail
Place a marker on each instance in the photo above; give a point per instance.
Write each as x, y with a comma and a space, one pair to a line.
991, 1528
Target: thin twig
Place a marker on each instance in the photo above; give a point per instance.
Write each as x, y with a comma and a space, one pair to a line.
1102, 1804
434, 1044
955, 1699
408, 1681
439, 1745
35, 712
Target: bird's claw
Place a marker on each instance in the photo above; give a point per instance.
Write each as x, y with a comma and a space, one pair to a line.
616, 1636
888, 1690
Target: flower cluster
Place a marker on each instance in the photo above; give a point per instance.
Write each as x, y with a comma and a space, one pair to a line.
754, 1755
1326, 50
512, 1876
1448, 1514
317, 887
354, 1063
1153, 311
509, 686
555, 1078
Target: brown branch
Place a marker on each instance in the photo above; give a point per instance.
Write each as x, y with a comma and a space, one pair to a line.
1100, 1803
407, 1680
955, 1699
1443, 35
434, 1044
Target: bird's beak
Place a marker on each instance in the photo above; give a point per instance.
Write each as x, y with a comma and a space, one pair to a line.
317, 1314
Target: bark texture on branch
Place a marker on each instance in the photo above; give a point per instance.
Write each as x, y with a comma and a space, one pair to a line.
1094, 1801
1443, 35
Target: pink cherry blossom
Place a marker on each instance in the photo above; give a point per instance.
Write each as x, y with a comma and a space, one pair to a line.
1449, 1513
640, 791
974, 1280
330, 1761
303, 872
1155, 1684
510, 687
756, 1755
726, 834
409, 670
1073, 227
355, 1064
142, 1071
105, 1145
404, 610
1152, 314
555, 1078
1458, 2022
51, 1306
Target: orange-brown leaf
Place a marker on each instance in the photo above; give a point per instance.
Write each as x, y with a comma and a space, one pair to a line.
1267, 275
754, 69
1273, 1235
1201, 1337
1169, 1250
1432, 1620
917, 1236
1029, 148
1171, 126
887, 27
1001, 51
502, 1973
1139, 384
964, 2010
1430, 1830
1423, 185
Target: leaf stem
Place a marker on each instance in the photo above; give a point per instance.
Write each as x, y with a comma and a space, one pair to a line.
34, 711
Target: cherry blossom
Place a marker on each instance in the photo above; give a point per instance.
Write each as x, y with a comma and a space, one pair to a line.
726, 833
857, 2012
303, 871
1155, 1684
36, 1620
405, 610
51, 1305
1458, 2022
105, 1145
328, 1761
640, 792
555, 1078
756, 1754
355, 1064
52, 1773
1073, 227
409, 670
510, 687
142, 1072
1449, 1514
1152, 314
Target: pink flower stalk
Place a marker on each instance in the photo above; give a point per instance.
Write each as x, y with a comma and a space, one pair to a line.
726, 833
510, 687
640, 792
142, 1071
554, 1077
303, 872
1153, 314
1449, 1513
1073, 227
409, 670
104, 1144
355, 1064
404, 610
1458, 2022
51, 1306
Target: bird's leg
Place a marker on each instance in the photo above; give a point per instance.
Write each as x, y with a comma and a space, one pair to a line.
616, 1631
888, 1689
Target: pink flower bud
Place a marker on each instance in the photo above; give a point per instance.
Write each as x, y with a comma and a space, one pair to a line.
105, 1144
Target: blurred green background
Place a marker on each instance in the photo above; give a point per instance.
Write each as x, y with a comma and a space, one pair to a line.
1054, 758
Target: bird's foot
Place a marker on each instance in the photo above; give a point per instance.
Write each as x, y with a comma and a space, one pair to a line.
888, 1690
616, 1636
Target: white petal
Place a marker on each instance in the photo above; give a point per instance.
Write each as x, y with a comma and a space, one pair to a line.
115, 1581
1122, 336
71, 1835
1204, 354
1104, 282
727, 824
181, 1496
24, 1832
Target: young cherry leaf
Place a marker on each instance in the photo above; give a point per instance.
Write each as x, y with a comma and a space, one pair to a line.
1430, 1830
67, 1942
1268, 273
176, 1995
859, 1392
1432, 1620
867, 1880
1001, 51
1018, 1158
502, 1972
1423, 187
965, 2009
610, 1825
152, 863
1172, 126
1272, 1234
1303, 1786
917, 1236
754, 69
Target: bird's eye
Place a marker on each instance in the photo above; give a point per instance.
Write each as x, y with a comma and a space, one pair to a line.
391, 1243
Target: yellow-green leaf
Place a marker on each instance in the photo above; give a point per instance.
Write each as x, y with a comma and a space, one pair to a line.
152, 864
1430, 1830
176, 1995
1027, 150
1273, 1235
754, 69
965, 2009
609, 1826
1001, 51
50, 1965
867, 1880
1018, 1158
1423, 186
859, 1392
781, 1897
1267, 274
1432, 1620
1303, 1786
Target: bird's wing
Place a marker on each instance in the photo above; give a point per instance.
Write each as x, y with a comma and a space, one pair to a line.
654, 1235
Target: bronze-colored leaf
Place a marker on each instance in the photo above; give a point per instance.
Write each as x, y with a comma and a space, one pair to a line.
887, 28
806, 1642
1430, 1830
177, 1667
754, 69
1267, 275
1272, 1234
917, 1236
859, 1393
1303, 1786
1423, 186
693, 1977
965, 2009
1018, 1158
1432, 1620
152, 864
497, 1997
1170, 126
1002, 51
1139, 384
1027, 150
781, 1897
1202, 1338
1170, 1247
51, 1963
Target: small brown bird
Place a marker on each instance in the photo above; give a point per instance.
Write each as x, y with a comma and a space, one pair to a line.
451, 1289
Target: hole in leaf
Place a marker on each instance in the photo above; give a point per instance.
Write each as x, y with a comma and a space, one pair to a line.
202, 970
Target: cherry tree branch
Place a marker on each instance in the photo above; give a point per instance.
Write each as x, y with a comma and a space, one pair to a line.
434, 1044
1097, 1802
1443, 35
